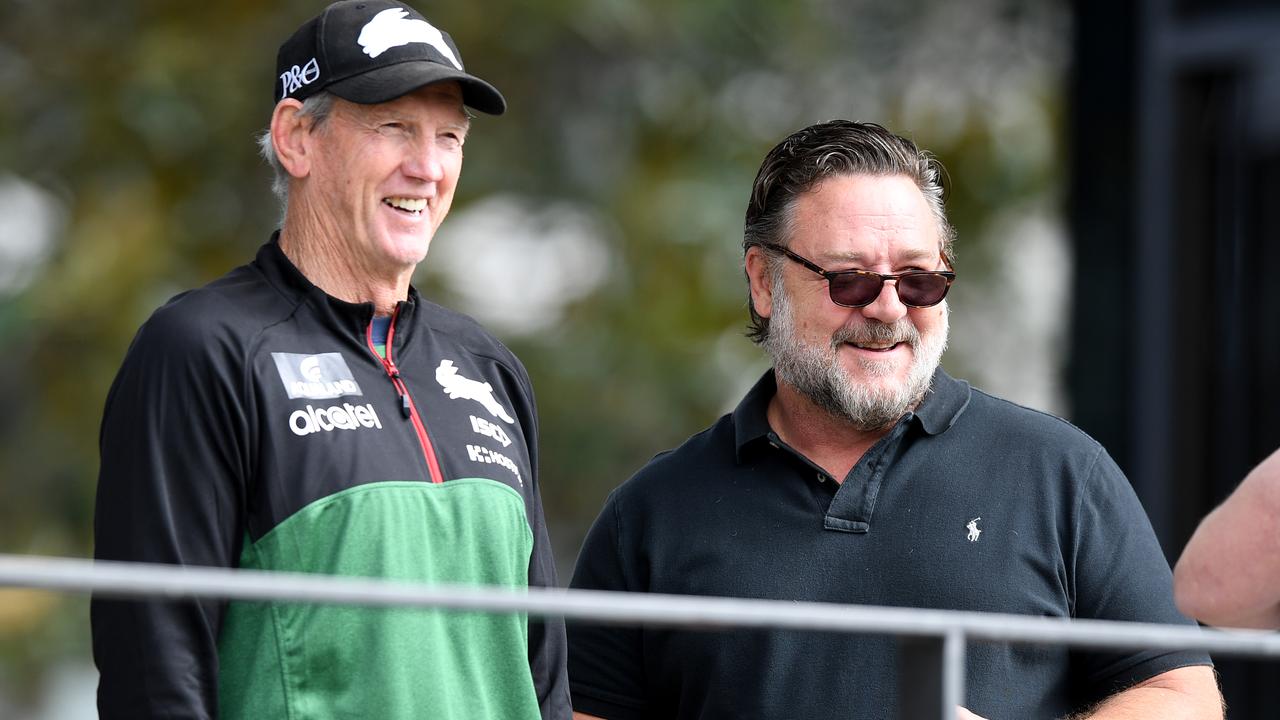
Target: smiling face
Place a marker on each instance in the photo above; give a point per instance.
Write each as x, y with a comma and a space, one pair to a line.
868, 364
383, 176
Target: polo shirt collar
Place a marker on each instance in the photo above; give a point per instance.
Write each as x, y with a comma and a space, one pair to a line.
942, 406
944, 403
750, 418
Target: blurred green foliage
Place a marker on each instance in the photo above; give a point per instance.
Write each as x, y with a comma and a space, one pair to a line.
136, 120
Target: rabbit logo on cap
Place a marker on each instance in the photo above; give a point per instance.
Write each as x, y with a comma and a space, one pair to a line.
389, 29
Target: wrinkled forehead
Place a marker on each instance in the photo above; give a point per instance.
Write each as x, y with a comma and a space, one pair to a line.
856, 214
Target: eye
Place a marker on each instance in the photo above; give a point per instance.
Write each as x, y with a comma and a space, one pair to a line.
451, 138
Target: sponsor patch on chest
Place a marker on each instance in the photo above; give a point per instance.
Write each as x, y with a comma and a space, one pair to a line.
339, 417
322, 376
481, 454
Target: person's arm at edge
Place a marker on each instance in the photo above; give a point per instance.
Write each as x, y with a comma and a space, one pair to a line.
169, 492
1185, 693
1229, 573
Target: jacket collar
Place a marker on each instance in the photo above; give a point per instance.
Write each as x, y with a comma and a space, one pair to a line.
286, 277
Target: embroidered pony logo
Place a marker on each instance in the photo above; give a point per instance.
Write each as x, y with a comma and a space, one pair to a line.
456, 386
389, 29
974, 532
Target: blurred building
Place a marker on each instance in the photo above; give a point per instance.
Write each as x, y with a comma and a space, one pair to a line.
1175, 214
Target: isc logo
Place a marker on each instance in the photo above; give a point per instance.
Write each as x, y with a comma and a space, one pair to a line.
488, 429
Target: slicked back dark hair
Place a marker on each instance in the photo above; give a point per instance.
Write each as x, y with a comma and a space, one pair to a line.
834, 148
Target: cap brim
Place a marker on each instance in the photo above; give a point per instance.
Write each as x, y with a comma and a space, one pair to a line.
388, 83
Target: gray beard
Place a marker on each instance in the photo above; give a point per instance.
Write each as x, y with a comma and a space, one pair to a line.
816, 372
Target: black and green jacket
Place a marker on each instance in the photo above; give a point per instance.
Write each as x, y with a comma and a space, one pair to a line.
254, 425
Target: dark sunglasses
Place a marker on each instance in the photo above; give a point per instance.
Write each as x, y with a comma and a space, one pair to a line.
859, 288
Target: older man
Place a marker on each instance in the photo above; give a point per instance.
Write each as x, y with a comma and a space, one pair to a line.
311, 412
857, 471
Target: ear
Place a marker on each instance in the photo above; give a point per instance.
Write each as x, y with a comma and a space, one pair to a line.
289, 135
757, 266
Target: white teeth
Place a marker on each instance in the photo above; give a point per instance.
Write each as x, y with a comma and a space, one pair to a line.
409, 204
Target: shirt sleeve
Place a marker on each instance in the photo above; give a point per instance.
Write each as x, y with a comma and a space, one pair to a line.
170, 490
1121, 574
547, 643
606, 663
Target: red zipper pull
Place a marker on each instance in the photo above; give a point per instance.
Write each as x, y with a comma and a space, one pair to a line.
401, 390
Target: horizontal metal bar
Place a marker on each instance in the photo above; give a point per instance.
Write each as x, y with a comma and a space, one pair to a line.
135, 580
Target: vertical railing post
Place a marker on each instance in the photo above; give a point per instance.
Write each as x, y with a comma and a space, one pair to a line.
930, 676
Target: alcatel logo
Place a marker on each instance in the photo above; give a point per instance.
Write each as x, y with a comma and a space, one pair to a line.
337, 417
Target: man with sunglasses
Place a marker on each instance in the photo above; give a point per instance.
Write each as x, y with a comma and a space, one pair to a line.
857, 471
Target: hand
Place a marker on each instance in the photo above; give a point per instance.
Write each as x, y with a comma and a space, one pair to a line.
964, 714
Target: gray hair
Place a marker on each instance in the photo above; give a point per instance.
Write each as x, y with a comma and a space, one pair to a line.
317, 107
805, 158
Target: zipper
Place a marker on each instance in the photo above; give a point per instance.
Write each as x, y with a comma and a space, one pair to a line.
407, 408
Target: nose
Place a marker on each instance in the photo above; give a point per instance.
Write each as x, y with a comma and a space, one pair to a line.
887, 307
423, 161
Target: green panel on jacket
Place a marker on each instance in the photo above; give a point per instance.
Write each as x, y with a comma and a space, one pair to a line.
318, 661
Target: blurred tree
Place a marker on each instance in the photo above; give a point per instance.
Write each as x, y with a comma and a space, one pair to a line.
634, 133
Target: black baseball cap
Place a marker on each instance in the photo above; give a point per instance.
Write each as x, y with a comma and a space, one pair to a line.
373, 51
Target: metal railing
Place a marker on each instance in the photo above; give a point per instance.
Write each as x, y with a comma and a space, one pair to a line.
932, 642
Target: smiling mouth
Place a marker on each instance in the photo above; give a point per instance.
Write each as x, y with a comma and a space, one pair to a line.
411, 206
876, 347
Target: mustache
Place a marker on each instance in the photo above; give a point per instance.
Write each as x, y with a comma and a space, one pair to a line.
874, 331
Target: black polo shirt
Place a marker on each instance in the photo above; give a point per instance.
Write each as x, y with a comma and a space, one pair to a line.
970, 503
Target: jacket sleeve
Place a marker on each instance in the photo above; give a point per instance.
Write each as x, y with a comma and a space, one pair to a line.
548, 647
170, 490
